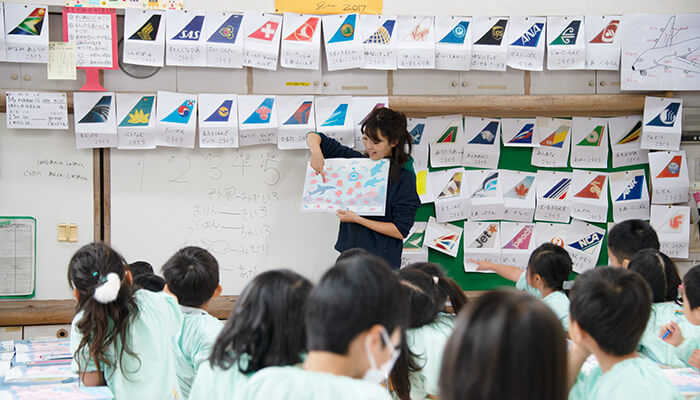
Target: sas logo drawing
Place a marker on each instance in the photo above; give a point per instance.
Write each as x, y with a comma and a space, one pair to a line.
192, 30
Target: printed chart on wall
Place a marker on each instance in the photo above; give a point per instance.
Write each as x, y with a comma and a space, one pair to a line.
17, 256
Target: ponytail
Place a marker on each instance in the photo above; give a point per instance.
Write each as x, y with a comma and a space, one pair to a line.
454, 293
404, 366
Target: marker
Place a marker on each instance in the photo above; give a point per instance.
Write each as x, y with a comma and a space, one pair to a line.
677, 314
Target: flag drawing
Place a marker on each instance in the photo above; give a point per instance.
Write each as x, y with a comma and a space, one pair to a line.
568, 35
181, 115
301, 115
494, 36
521, 189
261, 115
594, 188
453, 187
594, 138
222, 113
672, 169
228, 31
521, 241
667, 116
633, 190
383, 34
457, 34
32, 24
607, 35
588, 243
487, 135
338, 116
99, 112
417, 133
556, 139
140, 115
558, 191
266, 32
488, 187
633, 135
450, 134
305, 32
487, 238
149, 30
192, 30
524, 136
346, 31
531, 37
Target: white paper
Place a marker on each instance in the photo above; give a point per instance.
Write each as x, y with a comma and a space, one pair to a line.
185, 43
416, 127
589, 140
546, 232
566, 47
453, 43
414, 249
517, 242
451, 195
27, 32
301, 41
482, 241
92, 35
672, 224
17, 256
519, 190
482, 143
589, 196
176, 119
519, 132
625, 135
553, 196
261, 39
343, 42
662, 123
296, 119
95, 119
36, 110
3, 40
257, 120
526, 38
554, 142
583, 242
659, 52
423, 186
444, 238
218, 120
333, 117
669, 177
485, 195
416, 47
490, 45
144, 37
446, 135
630, 195
136, 115
602, 42
224, 41
379, 41
360, 108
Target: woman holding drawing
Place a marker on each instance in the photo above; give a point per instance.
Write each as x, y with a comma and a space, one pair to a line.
384, 135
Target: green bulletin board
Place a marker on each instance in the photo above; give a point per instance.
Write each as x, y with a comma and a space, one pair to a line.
517, 159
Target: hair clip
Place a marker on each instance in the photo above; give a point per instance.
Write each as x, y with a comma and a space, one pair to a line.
436, 280
567, 285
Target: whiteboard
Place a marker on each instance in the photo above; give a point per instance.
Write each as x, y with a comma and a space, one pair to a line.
243, 205
43, 175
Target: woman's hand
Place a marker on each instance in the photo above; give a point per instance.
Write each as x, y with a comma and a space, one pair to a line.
347, 216
317, 163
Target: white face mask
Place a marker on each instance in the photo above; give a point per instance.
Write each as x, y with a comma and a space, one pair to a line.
379, 375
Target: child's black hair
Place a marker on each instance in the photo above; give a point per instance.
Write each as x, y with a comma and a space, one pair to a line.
691, 286
150, 282
628, 237
659, 271
552, 263
139, 268
355, 251
192, 274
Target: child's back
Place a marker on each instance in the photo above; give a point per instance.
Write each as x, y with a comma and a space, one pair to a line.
199, 332
428, 343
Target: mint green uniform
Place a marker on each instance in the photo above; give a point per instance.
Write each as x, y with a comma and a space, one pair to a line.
214, 383
199, 333
686, 349
152, 334
428, 343
557, 301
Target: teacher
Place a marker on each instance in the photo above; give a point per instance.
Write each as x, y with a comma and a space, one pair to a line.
384, 135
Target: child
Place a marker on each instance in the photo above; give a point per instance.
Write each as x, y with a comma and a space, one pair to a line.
417, 371
192, 275
144, 278
506, 345
124, 339
548, 268
354, 322
660, 272
263, 330
627, 238
688, 350
609, 311
355, 251
384, 135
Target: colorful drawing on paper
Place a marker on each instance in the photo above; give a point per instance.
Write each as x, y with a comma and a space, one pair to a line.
488, 187
521, 241
486, 239
383, 34
222, 113
633, 135
524, 136
417, 133
422, 182
99, 112
32, 24
301, 115
149, 30
588, 243
305, 32
593, 189
338, 116
672, 169
607, 35
181, 115
266, 32
261, 115
453, 187
558, 191
494, 36
633, 190
457, 34
486, 135
667, 116
192, 30
420, 31
594, 138
446, 242
521, 189
415, 240
667, 54
228, 31
531, 37
568, 35
140, 115
450, 134
674, 224
352, 184
346, 31
556, 139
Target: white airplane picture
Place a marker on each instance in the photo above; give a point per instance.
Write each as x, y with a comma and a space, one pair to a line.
667, 54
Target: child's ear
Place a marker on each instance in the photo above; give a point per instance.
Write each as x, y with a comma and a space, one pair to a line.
129, 277
217, 292
75, 294
625, 263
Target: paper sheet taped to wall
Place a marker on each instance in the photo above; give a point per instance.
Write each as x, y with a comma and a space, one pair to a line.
17, 256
